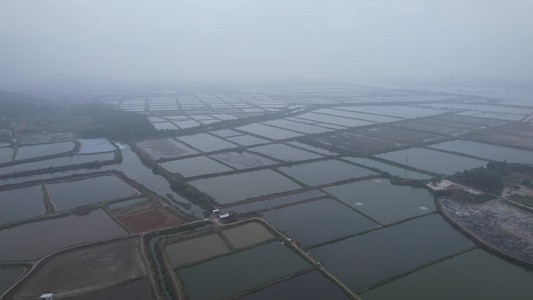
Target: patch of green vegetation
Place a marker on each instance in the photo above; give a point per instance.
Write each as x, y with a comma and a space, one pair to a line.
193, 194
114, 123
182, 204
484, 179
525, 200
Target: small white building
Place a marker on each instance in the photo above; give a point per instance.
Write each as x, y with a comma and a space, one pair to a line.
49, 296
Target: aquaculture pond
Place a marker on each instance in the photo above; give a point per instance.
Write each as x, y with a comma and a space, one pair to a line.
247, 140
196, 249
243, 160
238, 272
285, 152
8, 276
43, 150
401, 111
297, 126
91, 146
310, 285
434, 161
335, 120
131, 165
387, 168
349, 112
20, 204
318, 221
164, 148
195, 166
71, 194
367, 259
270, 132
272, 202
383, 201
63, 161
325, 171
6, 154
487, 151
247, 235
206, 142
34, 240
311, 148
236, 187
472, 275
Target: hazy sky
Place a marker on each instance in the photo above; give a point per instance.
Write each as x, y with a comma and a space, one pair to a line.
348, 40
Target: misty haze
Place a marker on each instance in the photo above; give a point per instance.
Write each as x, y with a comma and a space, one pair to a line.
266, 150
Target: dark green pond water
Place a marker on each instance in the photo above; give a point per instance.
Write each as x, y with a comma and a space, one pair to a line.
318, 221
383, 201
367, 259
472, 275
311, 285
231, 274
20, 204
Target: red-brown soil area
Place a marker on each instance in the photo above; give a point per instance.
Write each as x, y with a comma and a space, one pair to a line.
149, 220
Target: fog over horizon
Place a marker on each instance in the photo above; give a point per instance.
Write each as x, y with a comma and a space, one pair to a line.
348, 41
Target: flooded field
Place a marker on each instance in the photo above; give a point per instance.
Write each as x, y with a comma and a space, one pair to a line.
160, 148
401, 135
433, 161
247, 235
234, 273
352, 142
390, 169
43, 150
195, 166
69, 273
71, 194
310, 285
273, 202
382, 201
487, 151
196, 249
318, 221
472, 275
34, 240
325, 171
365, 260
515, 135
20, 204
206, 142
236, 187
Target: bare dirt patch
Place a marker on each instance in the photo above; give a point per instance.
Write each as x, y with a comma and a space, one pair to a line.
136, 207
85, 270
149, 220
